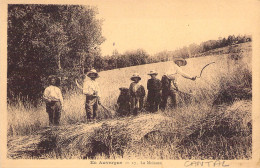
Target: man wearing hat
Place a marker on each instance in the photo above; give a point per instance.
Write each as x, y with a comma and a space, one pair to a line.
54, 101
154, 92
137, 94
92, 91
169, 82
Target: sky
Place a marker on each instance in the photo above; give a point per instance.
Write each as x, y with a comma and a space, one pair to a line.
159, 25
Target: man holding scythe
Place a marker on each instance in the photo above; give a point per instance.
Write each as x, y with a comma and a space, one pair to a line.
92, 91
169, 82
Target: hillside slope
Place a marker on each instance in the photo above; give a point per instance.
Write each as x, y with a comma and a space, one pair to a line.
217, 115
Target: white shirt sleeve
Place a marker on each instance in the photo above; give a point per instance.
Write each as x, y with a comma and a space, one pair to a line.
182, 73
87, 88
171, 76
46, 94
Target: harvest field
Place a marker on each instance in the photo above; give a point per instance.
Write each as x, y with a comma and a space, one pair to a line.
214, 122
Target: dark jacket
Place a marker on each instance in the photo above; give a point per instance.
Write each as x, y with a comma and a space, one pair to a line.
154, 85
123, 102
166, 84
123, 99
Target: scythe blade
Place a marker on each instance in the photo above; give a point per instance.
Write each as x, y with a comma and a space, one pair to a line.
204, 68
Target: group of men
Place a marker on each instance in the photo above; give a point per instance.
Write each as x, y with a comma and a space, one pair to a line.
130, 100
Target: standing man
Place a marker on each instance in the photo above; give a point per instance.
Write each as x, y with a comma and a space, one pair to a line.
54, 101
137, 94
169, 82
154, 92
92, 91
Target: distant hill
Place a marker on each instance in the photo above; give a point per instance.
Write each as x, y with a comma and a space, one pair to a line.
225, 50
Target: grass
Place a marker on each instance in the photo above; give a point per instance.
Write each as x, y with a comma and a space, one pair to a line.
213, 123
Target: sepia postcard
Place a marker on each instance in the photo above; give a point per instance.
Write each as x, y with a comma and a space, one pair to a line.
120, 83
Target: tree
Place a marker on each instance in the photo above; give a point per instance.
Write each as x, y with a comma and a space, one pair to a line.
137, 57
49, 39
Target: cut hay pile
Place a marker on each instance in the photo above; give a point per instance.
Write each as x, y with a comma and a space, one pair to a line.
223, 133
51, 139
111, 135
224, 121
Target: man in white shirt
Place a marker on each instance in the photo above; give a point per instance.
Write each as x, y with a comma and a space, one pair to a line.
92, 91
169, 82
137, 93
54, 101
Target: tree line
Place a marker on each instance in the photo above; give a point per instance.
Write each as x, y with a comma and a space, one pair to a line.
65, 40
140, 56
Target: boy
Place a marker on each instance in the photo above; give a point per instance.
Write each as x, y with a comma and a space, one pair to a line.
92, 92
137, 94
123, 102
169, 82
154, 94
54, 101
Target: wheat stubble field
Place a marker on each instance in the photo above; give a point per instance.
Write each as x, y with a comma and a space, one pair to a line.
214, 122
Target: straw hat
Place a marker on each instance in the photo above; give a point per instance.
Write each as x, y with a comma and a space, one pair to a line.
182, 60
153, 72
92, 71
135, 75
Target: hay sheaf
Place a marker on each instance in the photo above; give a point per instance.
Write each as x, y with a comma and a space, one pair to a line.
114, 134
51, 139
